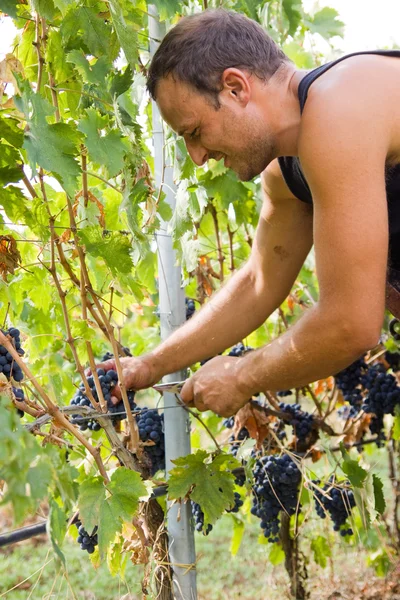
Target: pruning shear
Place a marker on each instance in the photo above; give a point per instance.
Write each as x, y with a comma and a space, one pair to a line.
174, 387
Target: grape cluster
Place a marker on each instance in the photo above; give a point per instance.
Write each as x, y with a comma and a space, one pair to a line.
190, 308
393, 359
239, 350
349, 382
301, 421
338, 502
87, 542
276, 483
238, 502
198, 516
20, 396
7, 364
283, 393
382, 398
108, 380
110, 355
151, 428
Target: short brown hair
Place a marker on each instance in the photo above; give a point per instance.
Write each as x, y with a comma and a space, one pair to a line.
200, 47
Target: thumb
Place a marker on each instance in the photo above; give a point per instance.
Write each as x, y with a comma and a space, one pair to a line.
187, 392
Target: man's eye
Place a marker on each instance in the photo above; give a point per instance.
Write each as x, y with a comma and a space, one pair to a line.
194, 133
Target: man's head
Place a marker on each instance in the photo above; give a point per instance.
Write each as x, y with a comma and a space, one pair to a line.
206, 78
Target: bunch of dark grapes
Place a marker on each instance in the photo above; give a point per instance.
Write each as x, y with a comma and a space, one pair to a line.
151, 429
198, 516
190, 308
239, 350
20, 396
349, 382
236, 442
383, 396
276, 484
87, 542
393, 359
301, 421
284, 393
110, 355
108, 380
7, 364
238, 502
338, 502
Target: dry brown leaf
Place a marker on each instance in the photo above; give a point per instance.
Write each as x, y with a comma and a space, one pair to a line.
10, 257
357, 430
254, 419
8, 66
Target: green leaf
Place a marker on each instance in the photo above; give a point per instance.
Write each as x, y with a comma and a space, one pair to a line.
53, 147
94, 71
213, 483
380, 503
326, 23
114, 249
109, 149
321, 548
91, 499
126, 488
10, 132
292, 9
45, 8
9, 7
356, 474
57, 528
396, 424
39, 478
276, 555
237, 536
96, 33
125, 33
167, 8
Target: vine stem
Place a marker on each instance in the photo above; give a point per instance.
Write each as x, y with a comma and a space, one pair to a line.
37, 44
221, 256
231, 254
52, 408
133, 428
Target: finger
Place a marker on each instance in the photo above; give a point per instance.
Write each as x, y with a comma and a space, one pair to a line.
187, 392
116, 394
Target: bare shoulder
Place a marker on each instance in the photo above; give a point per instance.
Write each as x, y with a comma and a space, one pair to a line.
357, 101
274, 184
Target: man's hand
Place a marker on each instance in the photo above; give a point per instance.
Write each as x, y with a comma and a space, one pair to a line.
138, 373
215, 387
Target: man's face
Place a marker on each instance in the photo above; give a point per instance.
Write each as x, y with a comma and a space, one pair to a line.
235, 132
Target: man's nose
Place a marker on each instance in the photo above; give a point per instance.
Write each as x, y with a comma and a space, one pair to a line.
198, 153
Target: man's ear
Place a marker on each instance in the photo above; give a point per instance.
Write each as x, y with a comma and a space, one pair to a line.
236, 86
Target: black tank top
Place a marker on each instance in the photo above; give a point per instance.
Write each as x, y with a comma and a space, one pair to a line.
297, 183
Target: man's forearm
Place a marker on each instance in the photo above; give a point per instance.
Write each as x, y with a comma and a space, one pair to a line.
235, 311
317, 346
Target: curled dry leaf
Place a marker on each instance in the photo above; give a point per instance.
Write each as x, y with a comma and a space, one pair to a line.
8, 66
135, 543
254, 419
357, 430
10, 257
101, 218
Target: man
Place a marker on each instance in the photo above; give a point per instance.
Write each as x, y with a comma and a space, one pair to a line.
224, 85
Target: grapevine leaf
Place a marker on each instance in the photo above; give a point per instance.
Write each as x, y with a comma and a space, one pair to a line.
326, 23
321, 548
167, 8
237, 536
96, 33
92, 72
126, 488
108, 149
10, 132
125, 33
356, 474
91, 499
276, 555
212, 483
396, 424
109, 525
39, 478
380, 503
9, 7
114, 249
45, 8
9, 175
57, 528
292, 10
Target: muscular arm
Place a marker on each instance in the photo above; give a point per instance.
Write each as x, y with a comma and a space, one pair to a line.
343, 152
283, 239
